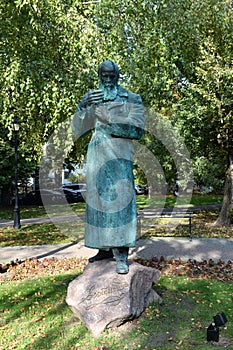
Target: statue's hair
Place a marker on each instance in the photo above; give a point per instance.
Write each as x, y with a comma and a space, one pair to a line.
109, 64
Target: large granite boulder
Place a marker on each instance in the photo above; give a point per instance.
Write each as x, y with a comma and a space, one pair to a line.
101, 298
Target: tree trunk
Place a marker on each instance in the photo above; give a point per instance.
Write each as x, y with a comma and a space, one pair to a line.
224, 218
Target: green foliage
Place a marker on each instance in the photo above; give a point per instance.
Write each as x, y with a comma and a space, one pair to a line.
44, 65
200, 35
6, 161
209, 173
77, 178
178, 56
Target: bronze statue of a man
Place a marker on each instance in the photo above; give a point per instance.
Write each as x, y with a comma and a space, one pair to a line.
117, 117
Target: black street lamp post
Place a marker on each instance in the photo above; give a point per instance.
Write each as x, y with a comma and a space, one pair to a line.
17, 224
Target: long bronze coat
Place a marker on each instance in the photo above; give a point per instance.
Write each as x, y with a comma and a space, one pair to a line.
110, 201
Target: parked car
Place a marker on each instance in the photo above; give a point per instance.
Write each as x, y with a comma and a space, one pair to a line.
141, 189
74, 192
35, 197
72, 196
80, 186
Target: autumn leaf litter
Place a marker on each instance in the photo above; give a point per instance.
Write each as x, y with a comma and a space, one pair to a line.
35, 268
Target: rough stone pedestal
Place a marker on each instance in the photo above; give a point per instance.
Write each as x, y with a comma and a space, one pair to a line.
101, 298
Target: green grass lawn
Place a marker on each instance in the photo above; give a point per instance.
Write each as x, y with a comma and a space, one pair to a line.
50, 233
32, 235
28, 212
171, 201
35, 316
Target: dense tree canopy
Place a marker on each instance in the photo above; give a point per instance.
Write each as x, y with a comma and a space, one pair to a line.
201, 40
177, 55
43, 66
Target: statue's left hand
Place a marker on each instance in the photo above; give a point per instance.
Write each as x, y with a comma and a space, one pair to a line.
102, 113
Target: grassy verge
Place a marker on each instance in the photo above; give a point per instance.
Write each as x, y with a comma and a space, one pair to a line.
203, 227
32, 235
35, 315
28, 212
171, 201
49, 233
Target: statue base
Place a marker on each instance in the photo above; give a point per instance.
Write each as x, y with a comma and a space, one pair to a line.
102, 299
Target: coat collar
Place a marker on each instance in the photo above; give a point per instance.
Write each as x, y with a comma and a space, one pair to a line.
122, 92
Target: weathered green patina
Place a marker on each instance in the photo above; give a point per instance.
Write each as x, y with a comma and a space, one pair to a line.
117, 117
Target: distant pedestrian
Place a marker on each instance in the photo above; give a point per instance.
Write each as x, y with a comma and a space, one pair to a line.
176, 190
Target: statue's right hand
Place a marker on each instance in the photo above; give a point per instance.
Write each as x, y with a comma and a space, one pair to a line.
94, 97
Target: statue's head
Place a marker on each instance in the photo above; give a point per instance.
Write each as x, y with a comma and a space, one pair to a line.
108, 73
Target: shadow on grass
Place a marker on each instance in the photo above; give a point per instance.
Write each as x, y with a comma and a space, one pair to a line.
36, 308
35, 316
39, 234
181, 321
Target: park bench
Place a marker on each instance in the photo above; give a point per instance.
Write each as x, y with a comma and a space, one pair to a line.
152, 217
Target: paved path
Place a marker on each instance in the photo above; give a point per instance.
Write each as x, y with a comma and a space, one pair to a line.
169, 247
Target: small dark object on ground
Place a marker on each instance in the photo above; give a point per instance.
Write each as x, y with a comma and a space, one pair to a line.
212, 333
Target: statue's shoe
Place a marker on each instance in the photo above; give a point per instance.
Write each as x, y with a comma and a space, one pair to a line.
122, 267
101, 255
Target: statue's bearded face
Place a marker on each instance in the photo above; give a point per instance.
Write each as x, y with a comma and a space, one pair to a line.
108, 82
